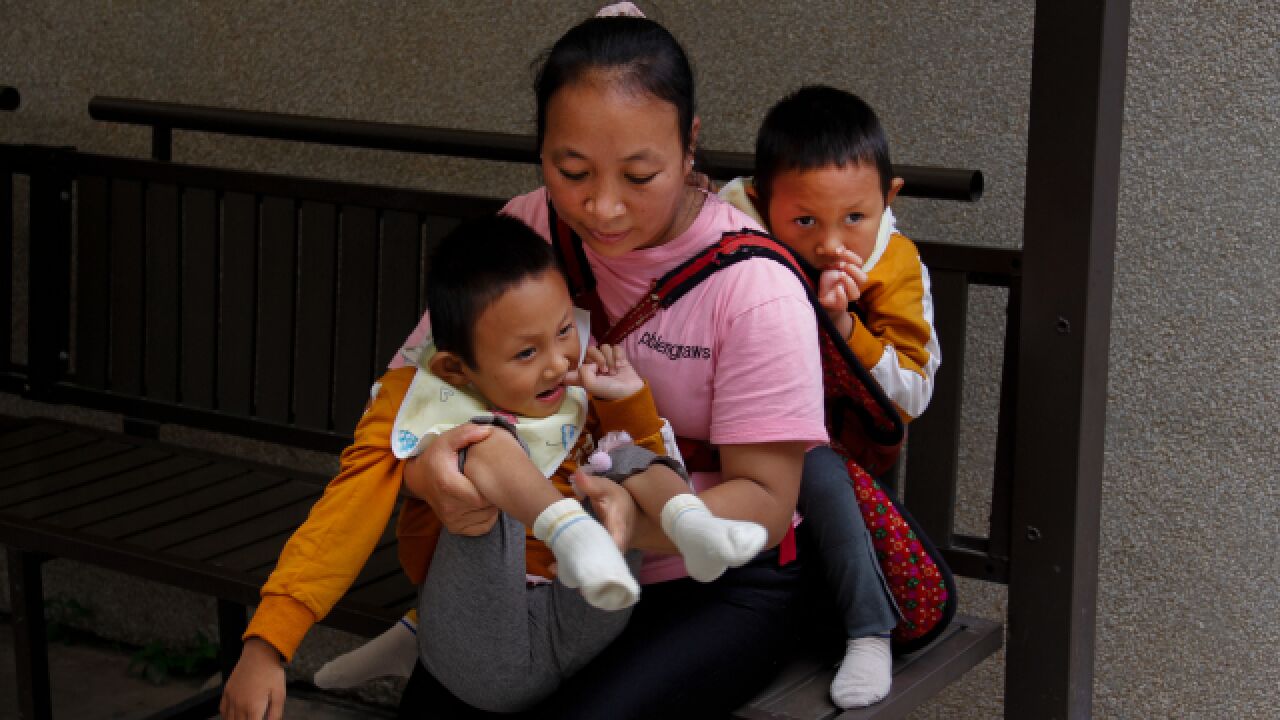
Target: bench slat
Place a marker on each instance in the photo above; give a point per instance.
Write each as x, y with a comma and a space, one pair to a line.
267, 498
126, 296
170, 499
13, 434
384, 561
435, 228
277, 276
229, 548
199, 297
1002, 479
39, 449
354, 361
263, 552
400, 268
382, 583
317, 254
389, 591
272, 528
88, 497
6, 265
151, 488
32, 479
92, 299
73, 480
934, 438
163, 275
238, 246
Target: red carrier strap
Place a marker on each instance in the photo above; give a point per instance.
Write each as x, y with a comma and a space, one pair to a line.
865, 426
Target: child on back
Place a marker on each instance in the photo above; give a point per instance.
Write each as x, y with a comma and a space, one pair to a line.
507, 352
823, 186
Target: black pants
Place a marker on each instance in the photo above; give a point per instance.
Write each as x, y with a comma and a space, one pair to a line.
690, 649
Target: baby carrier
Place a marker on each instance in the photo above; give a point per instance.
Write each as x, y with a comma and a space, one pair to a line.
864, 425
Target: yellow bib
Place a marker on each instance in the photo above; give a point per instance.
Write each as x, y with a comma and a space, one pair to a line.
432, 406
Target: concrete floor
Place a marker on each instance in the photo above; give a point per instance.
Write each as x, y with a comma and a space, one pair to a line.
91, 682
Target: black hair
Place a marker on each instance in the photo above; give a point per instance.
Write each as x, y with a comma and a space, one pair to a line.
471, 268
641, 55
819, 126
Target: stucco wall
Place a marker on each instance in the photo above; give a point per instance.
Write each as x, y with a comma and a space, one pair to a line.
1187, 595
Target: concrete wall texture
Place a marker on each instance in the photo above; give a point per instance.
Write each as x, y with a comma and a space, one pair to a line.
1188, 595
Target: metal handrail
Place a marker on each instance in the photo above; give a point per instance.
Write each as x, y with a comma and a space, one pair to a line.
10, 98
921, 181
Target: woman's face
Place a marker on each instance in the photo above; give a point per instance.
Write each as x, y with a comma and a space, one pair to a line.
615, 167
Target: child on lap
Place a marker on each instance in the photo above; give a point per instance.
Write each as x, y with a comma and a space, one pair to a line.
507, 348
823, 186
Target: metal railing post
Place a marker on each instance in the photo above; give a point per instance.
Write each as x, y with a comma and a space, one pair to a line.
49, 243
1073, 170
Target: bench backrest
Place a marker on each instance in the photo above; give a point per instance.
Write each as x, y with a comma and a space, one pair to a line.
235, 301
265, 306
934, 450
12, 375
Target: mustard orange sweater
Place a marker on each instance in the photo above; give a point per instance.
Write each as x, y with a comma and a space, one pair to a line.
895, 339
325, 554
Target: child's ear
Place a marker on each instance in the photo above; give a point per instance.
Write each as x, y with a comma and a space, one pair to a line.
449, 367
894, 186
693, 138
754, 196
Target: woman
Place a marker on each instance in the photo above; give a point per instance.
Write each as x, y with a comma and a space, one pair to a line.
735, 363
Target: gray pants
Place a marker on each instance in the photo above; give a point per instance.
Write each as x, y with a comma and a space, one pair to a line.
845, 554
495, 643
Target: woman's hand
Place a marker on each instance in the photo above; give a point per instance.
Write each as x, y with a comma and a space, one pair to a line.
612, 505
606, 373
433, 477
256, 687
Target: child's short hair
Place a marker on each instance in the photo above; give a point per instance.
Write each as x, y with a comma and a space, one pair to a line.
471, 268
819, 126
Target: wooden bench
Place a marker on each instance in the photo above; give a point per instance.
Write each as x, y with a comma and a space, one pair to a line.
243, 303
263, 305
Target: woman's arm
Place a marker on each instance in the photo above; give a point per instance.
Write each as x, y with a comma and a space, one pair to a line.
761, 484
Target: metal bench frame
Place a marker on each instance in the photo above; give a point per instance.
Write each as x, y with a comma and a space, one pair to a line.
1043, 536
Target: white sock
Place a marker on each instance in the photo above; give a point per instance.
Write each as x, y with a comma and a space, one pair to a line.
865, 675
586, 556
710, 545
393, 653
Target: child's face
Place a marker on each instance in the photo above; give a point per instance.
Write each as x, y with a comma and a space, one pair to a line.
525, 342
816, 212
615, 166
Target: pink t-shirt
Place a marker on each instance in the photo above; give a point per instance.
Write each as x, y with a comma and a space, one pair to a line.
734, 361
